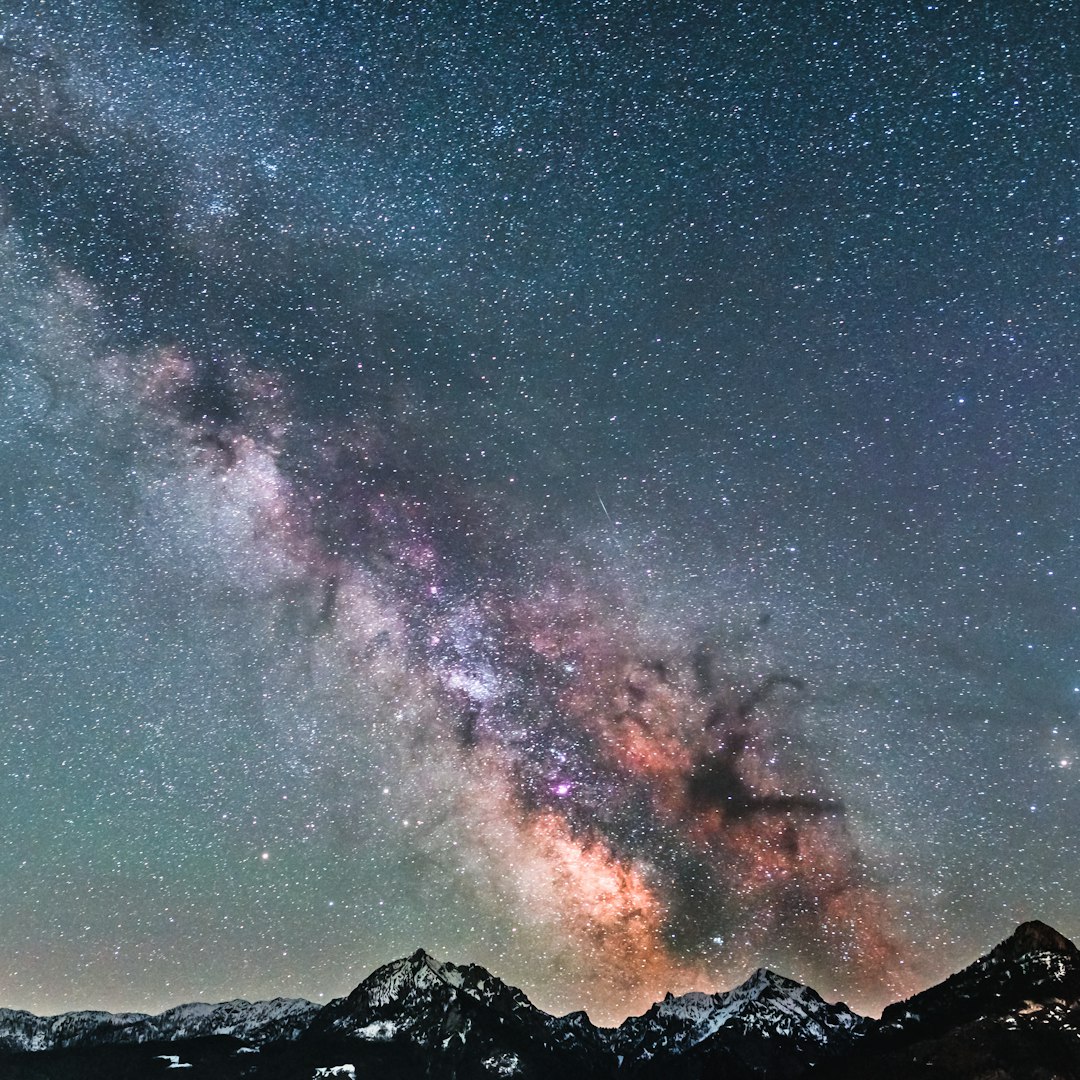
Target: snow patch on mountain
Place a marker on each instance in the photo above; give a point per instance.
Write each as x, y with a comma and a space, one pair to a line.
380, 1031
502, 1064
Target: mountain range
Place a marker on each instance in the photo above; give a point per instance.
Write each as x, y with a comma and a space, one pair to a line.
1014, 1014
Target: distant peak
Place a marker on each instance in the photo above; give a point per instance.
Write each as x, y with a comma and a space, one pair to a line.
422, 956
1034, 936
766, 977
763, 974
578, 1016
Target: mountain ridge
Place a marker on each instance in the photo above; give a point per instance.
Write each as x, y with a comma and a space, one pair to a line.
1016, 1007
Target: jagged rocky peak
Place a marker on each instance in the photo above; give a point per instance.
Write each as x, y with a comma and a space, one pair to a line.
790, 1006
401, 978
766, 1003
422, 956
764, 987
1034, 937
575, 1028
766, 981
576, 1022
442, 1007
1034, 964
421, 978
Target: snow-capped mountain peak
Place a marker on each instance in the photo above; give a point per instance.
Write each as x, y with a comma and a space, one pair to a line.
419, 976
1034, 937
462, 1011
1032, 968
254, 1022
765, 1003
400, 977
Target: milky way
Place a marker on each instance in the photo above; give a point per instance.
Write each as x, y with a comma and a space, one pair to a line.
579, 491
649, 803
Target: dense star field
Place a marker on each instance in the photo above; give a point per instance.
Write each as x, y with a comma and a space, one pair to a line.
586, 488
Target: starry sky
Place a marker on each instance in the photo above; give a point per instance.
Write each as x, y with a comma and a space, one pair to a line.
585, 488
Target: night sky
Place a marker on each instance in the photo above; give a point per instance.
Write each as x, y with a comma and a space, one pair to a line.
586, 488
